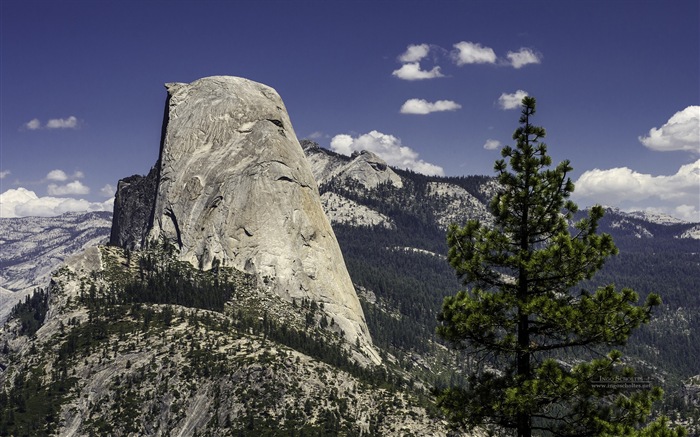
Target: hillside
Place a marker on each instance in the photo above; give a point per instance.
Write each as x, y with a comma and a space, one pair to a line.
212, 355
405, 268
390, 225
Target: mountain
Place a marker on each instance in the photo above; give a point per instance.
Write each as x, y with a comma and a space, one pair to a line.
142, 340
404, 268
110, 358
233, 188
228, 311
32, 247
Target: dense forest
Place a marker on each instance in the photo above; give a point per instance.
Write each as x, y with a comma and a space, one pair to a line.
412, 284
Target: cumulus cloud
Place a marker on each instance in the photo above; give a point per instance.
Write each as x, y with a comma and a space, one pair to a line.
71, 188
62, 123
412, 71
57, 175
473, 53
680, 132
511, 101
626, 188
4, 174
21, 202
522, 58
420, 106
388, 147
415, 53
61, 176
33, 124
108, 190
492, 144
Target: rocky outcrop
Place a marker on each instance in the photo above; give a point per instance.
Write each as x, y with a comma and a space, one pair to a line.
364, 168
370, 170
234, 187
133, 207
342, 210
457, 205
324, 163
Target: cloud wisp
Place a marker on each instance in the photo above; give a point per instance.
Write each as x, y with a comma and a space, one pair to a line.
33, 124
5, 173
422, 107
511, 101
472, 53
491, 144
388, 147
523, 57
674, 194
415, 53
69, 189
680, 132
55, 123
108, 190
62, 176
413, 71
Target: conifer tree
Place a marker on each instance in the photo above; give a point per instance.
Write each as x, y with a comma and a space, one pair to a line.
543, 348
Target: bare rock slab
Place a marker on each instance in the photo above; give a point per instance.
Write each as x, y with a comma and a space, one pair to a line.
234, 187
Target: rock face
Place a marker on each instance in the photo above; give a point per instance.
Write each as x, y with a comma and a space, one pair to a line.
133, 206
365, 168
370, 170
234, 186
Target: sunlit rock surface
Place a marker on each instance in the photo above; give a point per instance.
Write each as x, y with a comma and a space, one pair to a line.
234, 186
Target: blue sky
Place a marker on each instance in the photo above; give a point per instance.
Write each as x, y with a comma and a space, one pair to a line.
425, 83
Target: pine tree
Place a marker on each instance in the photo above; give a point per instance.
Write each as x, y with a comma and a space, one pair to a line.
537, 341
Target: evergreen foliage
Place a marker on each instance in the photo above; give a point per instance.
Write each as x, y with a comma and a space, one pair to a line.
525, 319
31, 312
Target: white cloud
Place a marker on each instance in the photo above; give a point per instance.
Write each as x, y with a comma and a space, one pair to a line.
473, 53
54, 123
681, 132
62, 123
4, 174
33, 124
71, 188
21, 202
420, 106
625, 188
415, 53
412, 71
316, 135
492, 144
388, 147
57, 175
512, 101
108, 191
61, 176
523, 57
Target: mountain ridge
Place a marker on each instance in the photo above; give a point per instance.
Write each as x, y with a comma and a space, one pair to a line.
401, 276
